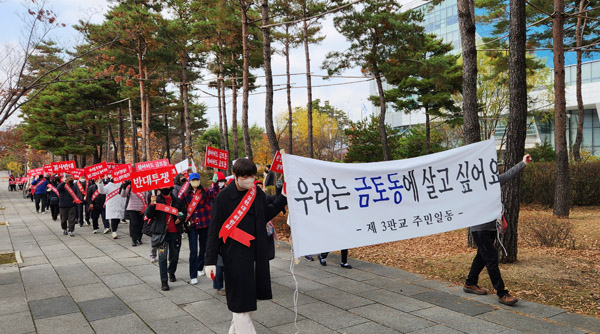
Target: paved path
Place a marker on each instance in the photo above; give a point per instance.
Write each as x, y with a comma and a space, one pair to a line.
92, 283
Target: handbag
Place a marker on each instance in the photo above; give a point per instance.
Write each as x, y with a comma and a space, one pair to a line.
156, 240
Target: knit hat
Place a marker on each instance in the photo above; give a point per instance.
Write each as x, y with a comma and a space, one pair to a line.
221, 176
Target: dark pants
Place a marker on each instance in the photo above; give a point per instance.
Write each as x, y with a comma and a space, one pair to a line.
68, 218
218, 282
95, 215
40, 198
114, 224
82, 211
197, 236
136, 222
344, 255
487, 256
170, 248
54, 211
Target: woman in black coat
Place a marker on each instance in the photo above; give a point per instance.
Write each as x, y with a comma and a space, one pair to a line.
246, 269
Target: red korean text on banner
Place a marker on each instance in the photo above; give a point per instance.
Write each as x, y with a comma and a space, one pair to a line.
148, 165
63, 166
48, 169
277, 165
77, 173
35, 172
122, 173
96, 171
153, 179
216, 158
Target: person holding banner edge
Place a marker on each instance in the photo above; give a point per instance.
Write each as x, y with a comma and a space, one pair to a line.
484, 236
241, 239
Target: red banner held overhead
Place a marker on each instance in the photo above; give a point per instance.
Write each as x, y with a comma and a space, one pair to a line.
153, 179
96, 171
63, 166
149, 165
48, 169
35, 172
277, 165
216, 158
122, 173
77, 172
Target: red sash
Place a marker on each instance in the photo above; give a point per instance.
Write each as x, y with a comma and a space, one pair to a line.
82, 189
183, 190
72, 193
53, 189
111, 195
166, 209
192, 207
33, 188
229, 228
95, 194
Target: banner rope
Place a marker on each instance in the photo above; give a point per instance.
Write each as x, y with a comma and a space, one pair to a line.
295, 295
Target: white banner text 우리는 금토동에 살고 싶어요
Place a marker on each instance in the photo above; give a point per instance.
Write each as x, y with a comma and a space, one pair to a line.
335, 206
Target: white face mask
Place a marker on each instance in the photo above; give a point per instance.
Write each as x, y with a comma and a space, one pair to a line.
195, 183
245, 183
82, 180
221, 184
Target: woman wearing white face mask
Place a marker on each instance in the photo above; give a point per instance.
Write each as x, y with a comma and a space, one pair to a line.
198, 202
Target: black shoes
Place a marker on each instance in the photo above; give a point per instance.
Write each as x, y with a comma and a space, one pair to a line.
134, 243
140, 242
165, 286
322, 261
172, 278
345, 265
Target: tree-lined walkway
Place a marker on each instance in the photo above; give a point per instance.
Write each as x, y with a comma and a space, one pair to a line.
92, 283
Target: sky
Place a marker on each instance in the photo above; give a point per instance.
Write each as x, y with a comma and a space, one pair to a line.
348, 97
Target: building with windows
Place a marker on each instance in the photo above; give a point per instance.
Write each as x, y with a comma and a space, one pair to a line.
442, 20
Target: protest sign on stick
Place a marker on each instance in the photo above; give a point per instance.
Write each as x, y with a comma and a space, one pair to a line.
122, 173
372, 203
216, 158
152, 179
63, 166
148, 165
277, 166
96, 171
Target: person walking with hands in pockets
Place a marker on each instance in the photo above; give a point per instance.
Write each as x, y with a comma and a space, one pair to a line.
167, 214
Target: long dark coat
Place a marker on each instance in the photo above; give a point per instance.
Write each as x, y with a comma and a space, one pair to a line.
246, 269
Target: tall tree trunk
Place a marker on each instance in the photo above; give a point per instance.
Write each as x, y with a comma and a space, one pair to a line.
134, 156
147, 136
382, 110
308, 80
186, 107
561, 193
182, 125
580, 114
288, 88
142, 100
224, 104
220, 107
466, 22
427, 130
114, 144
234, 125
517, 124
167, 141
121, 136
246, 70
266, 32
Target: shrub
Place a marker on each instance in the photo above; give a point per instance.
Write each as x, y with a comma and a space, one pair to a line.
543, 229
539, 179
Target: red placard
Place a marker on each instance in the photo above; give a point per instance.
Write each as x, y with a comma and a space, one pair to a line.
122, 173
277, 165
153, 179
48, 169
149, 165
77, 172
35, 172
96, 171
63, 166
216, 158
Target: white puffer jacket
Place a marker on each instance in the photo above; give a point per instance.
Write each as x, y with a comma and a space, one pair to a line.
115, 207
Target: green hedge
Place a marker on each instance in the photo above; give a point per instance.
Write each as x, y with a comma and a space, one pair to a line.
539, 178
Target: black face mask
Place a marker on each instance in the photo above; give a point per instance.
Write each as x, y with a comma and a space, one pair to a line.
165, 192
70, 182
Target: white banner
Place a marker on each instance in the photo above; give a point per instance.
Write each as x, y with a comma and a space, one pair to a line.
335, 206
182, 166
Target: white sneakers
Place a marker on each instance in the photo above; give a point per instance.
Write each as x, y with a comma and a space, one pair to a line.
106, 230
194, 281
200, 273
95, 231
114, 235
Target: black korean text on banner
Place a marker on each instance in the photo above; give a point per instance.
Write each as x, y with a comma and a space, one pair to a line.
365, 204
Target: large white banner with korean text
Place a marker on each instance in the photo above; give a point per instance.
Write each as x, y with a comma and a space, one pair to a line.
335, 206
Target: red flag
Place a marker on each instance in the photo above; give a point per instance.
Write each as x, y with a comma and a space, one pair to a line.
216, 158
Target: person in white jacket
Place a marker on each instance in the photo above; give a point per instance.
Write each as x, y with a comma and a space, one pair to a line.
115, 204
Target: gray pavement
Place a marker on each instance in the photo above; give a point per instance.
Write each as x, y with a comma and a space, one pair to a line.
94, 284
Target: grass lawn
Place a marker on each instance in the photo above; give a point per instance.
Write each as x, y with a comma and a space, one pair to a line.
558, 276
